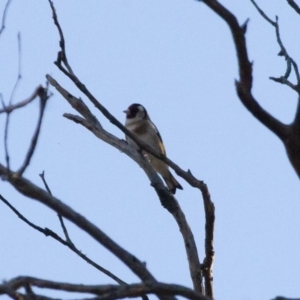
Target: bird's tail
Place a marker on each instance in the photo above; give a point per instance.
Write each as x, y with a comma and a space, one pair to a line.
172, 183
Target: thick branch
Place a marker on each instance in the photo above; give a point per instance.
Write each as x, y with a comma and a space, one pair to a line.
107, 292
55, 236
30, 190
244, 85
294, 5
163, 194
172, 205
63, 65
167, 200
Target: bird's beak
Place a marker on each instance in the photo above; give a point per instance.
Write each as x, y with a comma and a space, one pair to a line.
126, 111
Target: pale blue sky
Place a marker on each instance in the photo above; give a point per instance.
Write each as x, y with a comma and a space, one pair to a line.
177, 59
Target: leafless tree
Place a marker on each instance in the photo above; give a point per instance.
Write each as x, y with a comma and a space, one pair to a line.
200, 270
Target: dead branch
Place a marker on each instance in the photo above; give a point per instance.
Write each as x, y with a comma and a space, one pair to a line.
291, 137
105, 292
62, 59
8, 109
283, 52
167, 199
244, 84
4, 15
43, 95
28, 189
7, 158
294, 5
48, 232
19, 76
61, 220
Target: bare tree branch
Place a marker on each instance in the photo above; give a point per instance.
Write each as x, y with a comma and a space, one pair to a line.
285, 298
209, 245
30, 190
8, 110
71, 245
283, 52
44, 231
7, 158
62, 54
106, 292
244, 84
19, 76
195, 267
12, 107
167, 200
4, 16
43, 95
51, 233
291, 132
263, 14
42, 175
293, 4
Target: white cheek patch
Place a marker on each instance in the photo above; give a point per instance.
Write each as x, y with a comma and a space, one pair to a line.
141, 108
140, 115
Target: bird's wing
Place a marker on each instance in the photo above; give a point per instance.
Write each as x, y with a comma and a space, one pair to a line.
161, 144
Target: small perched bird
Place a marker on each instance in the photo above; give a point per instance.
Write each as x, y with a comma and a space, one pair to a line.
139, 123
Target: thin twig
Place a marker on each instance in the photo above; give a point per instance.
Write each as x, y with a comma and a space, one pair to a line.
245, 81
42, 175
263, 13
285, 81
283, 52
7, 158
4, 15
8, 110
12, 107
19, 76
289, 139
51, 233
43, 95
75, 249
288, 58
62, 54
28, 222
28, 189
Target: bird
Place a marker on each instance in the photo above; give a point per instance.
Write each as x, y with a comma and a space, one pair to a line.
140, 124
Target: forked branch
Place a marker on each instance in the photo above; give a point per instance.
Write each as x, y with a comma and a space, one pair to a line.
104, 292
167, 199
48, 232
244, 84
28, 189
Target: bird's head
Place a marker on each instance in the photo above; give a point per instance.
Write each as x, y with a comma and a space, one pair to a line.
136, 111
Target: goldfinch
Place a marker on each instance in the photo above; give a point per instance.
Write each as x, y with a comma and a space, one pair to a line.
139, 123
